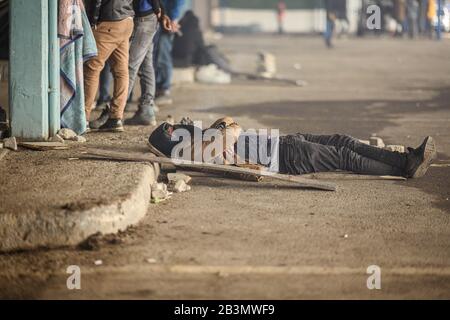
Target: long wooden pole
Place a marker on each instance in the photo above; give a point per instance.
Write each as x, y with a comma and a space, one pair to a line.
212, 168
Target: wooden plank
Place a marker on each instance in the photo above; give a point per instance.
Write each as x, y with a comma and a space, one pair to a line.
3, 153
44, 146
213, 168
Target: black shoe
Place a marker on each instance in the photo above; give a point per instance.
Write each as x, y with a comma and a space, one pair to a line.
420, 159
102, 119
143, 117
112, 125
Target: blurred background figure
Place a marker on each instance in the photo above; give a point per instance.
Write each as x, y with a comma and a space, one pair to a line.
330, 7
164, 64
189, 45
281, 15
412, 14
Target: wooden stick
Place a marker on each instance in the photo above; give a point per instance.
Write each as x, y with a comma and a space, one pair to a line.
213, 168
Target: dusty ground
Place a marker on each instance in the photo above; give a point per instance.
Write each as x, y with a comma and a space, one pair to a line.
231, 239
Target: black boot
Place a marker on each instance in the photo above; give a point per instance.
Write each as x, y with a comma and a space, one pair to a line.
112, 125
143, 117
420, 159
102, 119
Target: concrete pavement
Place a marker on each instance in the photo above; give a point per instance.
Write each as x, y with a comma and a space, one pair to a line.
233, 239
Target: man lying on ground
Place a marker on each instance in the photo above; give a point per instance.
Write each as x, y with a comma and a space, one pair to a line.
295, 154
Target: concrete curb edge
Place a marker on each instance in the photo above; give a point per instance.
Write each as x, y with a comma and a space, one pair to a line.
64, 228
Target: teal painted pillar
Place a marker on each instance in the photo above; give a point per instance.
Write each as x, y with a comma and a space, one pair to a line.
54, 69
29, 69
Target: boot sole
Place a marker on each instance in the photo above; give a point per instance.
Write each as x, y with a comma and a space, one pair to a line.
430, 154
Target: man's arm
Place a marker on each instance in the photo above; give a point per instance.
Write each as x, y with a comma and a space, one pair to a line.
175, 10
94, 11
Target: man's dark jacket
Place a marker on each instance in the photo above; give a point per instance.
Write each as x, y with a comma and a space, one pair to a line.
109, 10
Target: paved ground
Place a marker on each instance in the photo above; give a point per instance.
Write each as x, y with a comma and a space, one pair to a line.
231, 239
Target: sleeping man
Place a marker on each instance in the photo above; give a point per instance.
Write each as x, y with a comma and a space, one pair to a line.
297, 154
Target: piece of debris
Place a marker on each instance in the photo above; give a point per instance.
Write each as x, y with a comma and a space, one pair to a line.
170, 120
365, 142
151, 261
73, 159
57, 138
186, 121
266, 65
345, 236
377, 142
79, 139
98, 262
1, 145
67, 134
181, 186
160, 192
174, 177
10, 143
395, 148
44, 146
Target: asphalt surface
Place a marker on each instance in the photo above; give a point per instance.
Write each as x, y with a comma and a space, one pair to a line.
233, 239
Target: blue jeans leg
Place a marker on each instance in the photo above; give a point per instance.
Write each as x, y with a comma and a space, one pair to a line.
164, 66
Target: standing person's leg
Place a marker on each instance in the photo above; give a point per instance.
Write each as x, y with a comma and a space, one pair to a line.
119, 65
106, 44
164, 68
298, 156
141, 62
106, 79
396, 159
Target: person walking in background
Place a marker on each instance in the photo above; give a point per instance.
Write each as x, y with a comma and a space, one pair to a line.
330, 7
148, 15
164, 63
281, 15
112, 23
412, 14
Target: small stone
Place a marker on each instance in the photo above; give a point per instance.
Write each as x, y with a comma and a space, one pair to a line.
180, 186
98, 262
170, 120
174, 177
159, 187
395, 148
80, 139
57, 138
345, 236
1, 145
67, 134
377, 142
151, 261
10, 143
365, 142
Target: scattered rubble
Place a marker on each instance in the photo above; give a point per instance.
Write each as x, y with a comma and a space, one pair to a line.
181, 186
160, 192
57, 138
365, 142
10, 143
151, 261
377, 142
98, 262
67, 134
174, 177
80, 139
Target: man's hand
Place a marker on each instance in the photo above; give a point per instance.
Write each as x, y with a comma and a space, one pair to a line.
175, 26
166, 23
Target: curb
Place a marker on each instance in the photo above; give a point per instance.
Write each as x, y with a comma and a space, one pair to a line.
69, 228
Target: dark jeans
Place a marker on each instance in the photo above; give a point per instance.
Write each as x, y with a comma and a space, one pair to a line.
307, 153
106, 80
141, 58
164, 62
